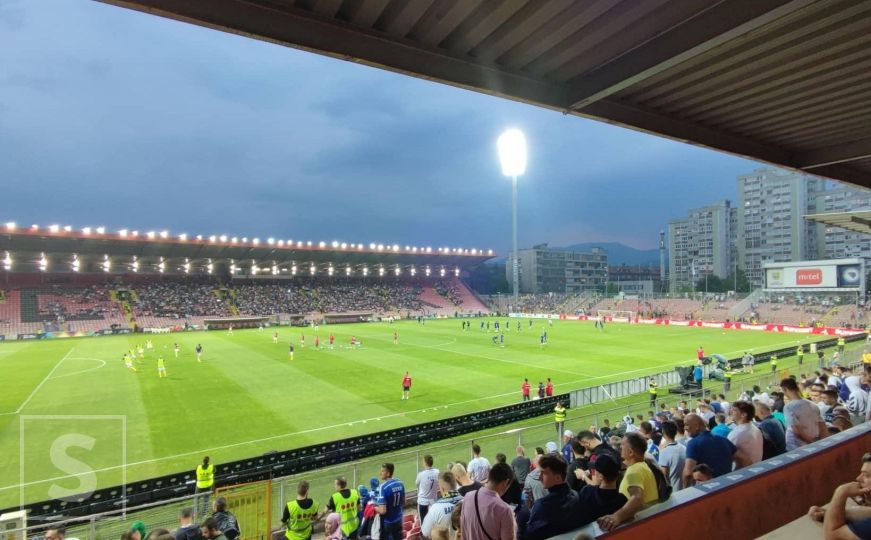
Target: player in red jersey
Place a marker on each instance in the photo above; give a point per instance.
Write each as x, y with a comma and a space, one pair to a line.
317, 342
332, 339
548, 388
700, 354
302, 341
406, 385
524, 389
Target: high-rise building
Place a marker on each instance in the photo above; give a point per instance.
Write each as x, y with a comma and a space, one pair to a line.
544, 269
835, 242
771, 207
698, 245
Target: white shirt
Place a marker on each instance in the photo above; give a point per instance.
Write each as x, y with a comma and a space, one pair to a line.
725, 406
479, 469
438, 515
803, 413
748, 439
427, 483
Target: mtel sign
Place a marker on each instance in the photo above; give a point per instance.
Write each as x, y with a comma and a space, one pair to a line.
808, 276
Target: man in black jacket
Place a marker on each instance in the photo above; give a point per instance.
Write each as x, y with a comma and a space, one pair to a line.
552, 514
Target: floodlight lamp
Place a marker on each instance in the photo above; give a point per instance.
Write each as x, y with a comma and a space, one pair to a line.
381, 271
330, 270
380, 247
300, 244
395, 247
164, 234
256, 241
347, 270
244, 239
34, 227
86, 230
442, 272
10, 225
344, 245
489, 252
398, 270
365, 271
413, 271
457, 271
200, 237
335, 244
101, 230
151, 234
512, 152
213, 238
372, 245
428, 271
54, 228
68, 228
274, 270
281, 243
270, 241
183, 237
309, 243
134, 234
322, 245
223, 238
312, 269
293, 270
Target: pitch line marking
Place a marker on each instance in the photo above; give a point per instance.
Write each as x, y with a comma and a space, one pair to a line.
42, 382
102, 364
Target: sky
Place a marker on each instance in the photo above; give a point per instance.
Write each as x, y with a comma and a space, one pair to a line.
116, 118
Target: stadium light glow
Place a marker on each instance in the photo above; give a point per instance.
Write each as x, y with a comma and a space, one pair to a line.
380, 247
274, 270
335, 244
489, 252
68, 228
429, 250
86, 231
134, 234
151, 235
10, 225
512, 156
457, 271
344, 245
232, 267
372, 245
347, 270
53, 228
322, 245
427, 271
107, 263
256, 241
161, 266
281, 243
330, 270
43, 263
413, 271
365, 270
442, 271
244, 239
187, 266
293, 270
309, 243
234, 240
34, 227
395, 247
254, 268
76, 265
223, 238
299, 244
398, 270
312, 270
7, 261
164, 234
380, 270
101, 230
183, 237
210, 267
359, 247
270, 241
213, 239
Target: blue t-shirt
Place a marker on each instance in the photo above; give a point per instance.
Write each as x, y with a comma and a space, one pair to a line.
862, 529
721, 430
697, 373
715, 452
392, 496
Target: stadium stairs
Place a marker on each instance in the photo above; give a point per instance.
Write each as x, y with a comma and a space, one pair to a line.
745, 305
470, 301
436, 302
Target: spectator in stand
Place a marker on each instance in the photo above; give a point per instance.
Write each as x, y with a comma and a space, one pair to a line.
568, 437
722, 429
702, 473
716, 452
745, 435
638, 484
646, 430
57, 532
672, 455
465, 482
427, 484
575, 475
390, 503
521, 465
596, 447
532, 487
552, 514
211, 531
479, 467
485, 515
439, 514
772, 430
333, 527
600, 497
803, 422
841, 522
514, 493
227, 521
187, 529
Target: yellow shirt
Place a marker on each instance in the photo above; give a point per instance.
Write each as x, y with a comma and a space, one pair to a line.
640, 475
866, 357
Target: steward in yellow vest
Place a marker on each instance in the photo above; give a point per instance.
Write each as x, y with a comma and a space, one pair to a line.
346, 503
300, 514
205, 475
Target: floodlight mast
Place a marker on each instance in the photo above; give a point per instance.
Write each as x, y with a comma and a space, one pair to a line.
512, 156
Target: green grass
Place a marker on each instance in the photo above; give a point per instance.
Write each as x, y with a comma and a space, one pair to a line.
247, 397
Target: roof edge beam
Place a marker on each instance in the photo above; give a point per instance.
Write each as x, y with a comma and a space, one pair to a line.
832, 155
719, 24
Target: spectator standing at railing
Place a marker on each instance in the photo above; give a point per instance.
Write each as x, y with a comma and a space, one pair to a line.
479, 467
746, 437
521, 465
187, 529
440, 511
391, 501
554, 513
227, 522
427, 483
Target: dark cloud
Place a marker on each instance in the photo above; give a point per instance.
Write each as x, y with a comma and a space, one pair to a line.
112, 117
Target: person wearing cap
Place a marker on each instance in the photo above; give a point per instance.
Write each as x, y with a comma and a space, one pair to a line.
629, 424
600, 496
559, 417
568, 435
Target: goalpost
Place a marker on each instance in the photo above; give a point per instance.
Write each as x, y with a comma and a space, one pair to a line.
617, 315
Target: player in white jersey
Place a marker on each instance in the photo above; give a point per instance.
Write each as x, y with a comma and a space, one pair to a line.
275, 337
175, 349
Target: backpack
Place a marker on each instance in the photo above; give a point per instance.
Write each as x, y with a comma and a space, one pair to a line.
663, 486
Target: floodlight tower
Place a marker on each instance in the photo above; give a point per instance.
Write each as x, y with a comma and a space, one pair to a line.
512, 155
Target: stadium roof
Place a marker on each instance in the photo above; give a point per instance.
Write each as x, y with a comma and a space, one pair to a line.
781, 81
855, 221
89, 244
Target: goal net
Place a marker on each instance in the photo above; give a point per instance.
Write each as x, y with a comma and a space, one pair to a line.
618, 315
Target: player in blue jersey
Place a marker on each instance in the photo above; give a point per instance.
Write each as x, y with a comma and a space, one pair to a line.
390, 502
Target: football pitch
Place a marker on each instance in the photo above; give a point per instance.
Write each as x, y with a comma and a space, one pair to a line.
70, 406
